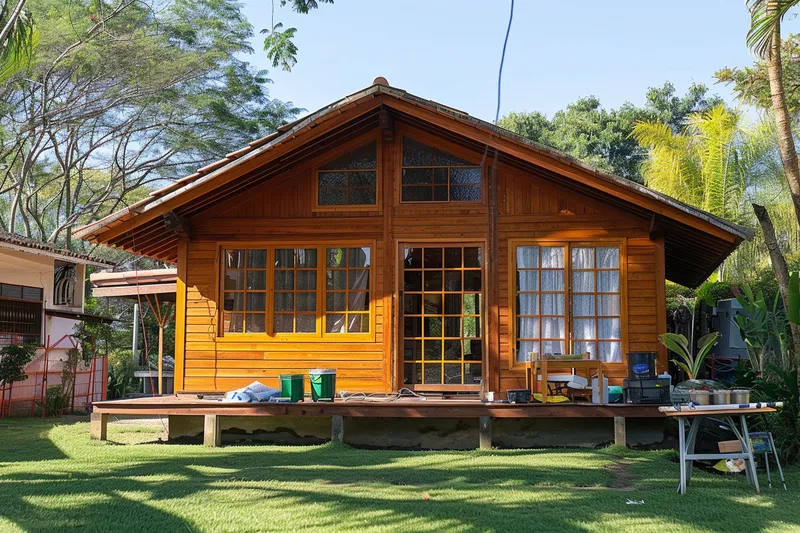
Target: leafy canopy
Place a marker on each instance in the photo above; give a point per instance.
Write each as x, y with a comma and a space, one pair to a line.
602, 137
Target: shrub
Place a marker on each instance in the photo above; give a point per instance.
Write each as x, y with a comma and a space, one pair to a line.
55, 401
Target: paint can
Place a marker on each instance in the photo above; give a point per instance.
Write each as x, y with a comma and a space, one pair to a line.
740, 396
700, 397
720, 397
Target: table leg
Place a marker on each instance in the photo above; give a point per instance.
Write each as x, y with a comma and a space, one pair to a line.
682, 451
732, 424
749, 450
690, 440
601, 388
544, 381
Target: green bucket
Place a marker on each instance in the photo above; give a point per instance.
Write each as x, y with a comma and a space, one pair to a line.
323, 384
293, 386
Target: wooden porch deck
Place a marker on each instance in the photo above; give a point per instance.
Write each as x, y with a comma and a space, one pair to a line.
405, 408
215, 412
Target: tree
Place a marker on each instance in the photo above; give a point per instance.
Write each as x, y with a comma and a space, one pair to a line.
118, 99
764, 38
278, 43
699, 166
602, 137
16, 31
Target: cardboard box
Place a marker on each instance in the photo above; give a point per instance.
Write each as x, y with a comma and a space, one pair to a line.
730, 446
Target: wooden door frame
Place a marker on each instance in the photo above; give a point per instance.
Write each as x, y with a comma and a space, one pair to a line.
399, 353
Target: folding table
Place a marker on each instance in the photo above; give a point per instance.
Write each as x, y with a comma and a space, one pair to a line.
686, 442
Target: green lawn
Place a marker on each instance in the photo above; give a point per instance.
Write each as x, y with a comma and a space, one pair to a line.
53, 478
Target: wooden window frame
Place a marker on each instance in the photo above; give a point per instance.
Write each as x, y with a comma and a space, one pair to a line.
338, 152
320, 335
568, 245
596, 295
445, 146
443, 243
244, 291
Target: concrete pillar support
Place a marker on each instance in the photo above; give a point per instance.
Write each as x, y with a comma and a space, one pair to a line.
485, 432
212, 431
620, 434
337, 429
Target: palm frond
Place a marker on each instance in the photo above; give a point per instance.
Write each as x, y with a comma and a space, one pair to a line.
765, 15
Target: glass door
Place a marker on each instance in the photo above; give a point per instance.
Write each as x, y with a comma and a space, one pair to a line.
441, 309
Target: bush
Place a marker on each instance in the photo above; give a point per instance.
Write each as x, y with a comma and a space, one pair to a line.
55, 401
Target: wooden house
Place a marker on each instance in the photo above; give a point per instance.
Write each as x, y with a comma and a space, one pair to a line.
407, 244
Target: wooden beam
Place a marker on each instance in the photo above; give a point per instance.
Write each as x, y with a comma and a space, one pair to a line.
177, 224
180, 315
98, 426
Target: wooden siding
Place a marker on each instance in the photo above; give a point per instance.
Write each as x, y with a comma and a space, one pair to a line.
282, 211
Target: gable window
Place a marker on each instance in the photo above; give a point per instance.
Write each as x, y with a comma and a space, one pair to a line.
567, 299
351, 179
305, 291
431, 175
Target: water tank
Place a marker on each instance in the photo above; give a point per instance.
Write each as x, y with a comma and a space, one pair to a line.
730, 341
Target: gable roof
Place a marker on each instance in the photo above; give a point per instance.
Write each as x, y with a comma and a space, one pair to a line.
140, 228
18, 243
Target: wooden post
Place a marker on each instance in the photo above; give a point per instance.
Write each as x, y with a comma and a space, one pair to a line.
337, 429
620, 435
98, 426
212, 431
485, 424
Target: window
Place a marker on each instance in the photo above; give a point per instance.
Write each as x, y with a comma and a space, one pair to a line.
592, 322
347, 290
64, 282
295, 303
351, 179
430, 175
597, 327
245, 290
442, 315
541, 301
278, 290
20, 314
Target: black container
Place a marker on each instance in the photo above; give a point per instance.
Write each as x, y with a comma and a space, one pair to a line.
642, 365
519, 396
652, 391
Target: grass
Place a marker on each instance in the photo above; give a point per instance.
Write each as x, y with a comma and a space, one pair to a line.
53, 478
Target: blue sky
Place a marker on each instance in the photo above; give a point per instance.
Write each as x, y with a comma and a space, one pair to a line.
449, 51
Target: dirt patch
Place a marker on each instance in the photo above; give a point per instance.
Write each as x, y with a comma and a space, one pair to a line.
623, 477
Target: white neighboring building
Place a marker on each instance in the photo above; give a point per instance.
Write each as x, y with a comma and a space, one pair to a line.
41, 301
41, 290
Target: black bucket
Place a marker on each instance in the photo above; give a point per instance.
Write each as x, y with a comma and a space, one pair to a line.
642, 365
519, 396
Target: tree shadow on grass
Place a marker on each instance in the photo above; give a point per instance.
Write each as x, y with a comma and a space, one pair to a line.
336, 488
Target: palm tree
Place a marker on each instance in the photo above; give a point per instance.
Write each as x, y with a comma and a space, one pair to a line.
764, 39
701, 166
16, 31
